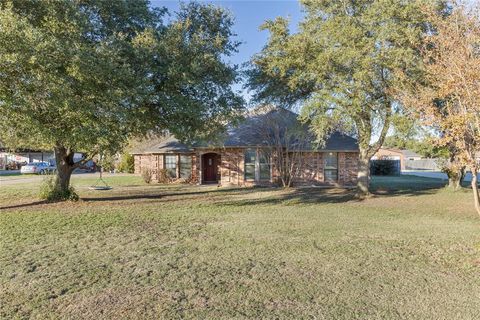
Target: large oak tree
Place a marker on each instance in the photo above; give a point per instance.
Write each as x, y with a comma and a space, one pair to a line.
340, 66
85, 75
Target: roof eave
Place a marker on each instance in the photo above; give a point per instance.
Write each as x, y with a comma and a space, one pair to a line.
239, 147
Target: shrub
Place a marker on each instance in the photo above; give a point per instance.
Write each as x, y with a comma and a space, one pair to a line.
107, 163
187, 180
50, 191
127, 163
164, 176
147, 175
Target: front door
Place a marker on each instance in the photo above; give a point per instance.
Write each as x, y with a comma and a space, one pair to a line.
210, 163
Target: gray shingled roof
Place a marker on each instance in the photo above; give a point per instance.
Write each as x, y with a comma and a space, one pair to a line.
340, 142
251, 133
166, 145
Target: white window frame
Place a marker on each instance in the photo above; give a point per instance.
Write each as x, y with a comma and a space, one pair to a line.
256, 166
176, 164
180, 165
325, 167
269, 163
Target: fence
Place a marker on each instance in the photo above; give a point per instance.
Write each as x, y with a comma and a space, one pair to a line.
423, 164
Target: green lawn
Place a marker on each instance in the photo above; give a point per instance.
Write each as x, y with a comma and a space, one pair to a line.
163, 252
8, 175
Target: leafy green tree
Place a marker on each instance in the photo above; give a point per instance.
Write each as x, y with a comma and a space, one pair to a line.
341, 65
127, 163
405, 129
409, 133
86, 75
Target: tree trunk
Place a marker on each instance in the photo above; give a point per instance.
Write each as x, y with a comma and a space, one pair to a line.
64, 173
363, 177
455, 171
367, 150
455, 178
65, 167
476, 198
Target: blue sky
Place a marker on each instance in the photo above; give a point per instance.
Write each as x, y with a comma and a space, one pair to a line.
249, 15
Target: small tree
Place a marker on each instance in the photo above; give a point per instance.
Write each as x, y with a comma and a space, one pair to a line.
127, 163
448, 97
285, 140
106, 162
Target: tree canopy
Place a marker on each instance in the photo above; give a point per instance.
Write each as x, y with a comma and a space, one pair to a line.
85, 75
341, 65
447, 97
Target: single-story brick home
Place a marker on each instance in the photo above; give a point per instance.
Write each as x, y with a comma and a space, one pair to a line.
240, 158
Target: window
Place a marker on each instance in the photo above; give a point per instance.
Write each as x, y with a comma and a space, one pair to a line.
171, 165
257, 165
264, 166
250, 159
331, 167
185, 166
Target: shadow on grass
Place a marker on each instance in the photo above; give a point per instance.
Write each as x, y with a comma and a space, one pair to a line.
165, 193
405, 185
24, 205
294, 196
155, 194
380, 186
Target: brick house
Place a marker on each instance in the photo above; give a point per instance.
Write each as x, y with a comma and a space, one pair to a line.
240, 158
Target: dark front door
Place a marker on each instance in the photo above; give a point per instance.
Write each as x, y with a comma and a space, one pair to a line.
210, 163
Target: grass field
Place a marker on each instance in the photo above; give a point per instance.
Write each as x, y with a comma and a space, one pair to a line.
175, 252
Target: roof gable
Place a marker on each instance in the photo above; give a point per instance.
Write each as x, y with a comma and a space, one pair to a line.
166, 145
251, 133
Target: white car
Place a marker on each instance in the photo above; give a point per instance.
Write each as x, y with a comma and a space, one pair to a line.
37, 168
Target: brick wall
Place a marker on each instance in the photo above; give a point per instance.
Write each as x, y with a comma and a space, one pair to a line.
156, 162
347, 168
311, 169
195, 167
231, 167
142, 161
